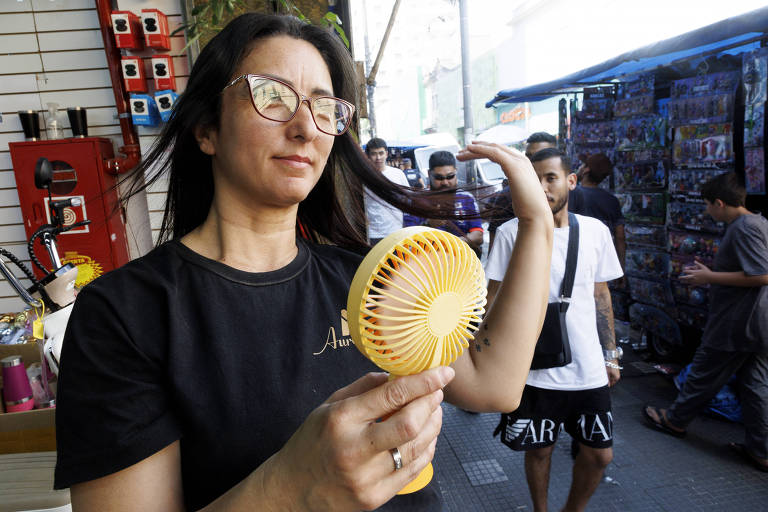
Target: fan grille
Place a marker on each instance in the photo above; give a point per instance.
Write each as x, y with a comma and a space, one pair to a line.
416, 300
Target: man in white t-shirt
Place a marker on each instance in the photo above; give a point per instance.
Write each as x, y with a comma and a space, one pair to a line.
383, 218
575, 396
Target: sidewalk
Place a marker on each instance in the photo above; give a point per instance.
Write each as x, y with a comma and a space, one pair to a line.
650, 471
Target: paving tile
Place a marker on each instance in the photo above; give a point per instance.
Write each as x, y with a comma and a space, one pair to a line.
484, 472
650, 471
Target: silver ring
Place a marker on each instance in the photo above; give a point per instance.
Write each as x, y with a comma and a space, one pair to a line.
397, 458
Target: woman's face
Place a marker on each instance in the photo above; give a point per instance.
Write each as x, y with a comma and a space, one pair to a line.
259, 162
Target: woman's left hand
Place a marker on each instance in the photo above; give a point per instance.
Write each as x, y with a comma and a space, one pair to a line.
528, 199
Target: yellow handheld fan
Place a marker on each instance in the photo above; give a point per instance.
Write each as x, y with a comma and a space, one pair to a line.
414, 303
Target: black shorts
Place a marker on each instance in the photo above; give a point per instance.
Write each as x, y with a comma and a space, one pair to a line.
585, 415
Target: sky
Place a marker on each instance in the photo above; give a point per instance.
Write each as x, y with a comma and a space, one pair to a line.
559, 36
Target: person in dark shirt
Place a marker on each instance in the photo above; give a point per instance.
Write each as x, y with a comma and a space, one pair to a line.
218, 371
591, 200
735, 339
499, 204
442, 178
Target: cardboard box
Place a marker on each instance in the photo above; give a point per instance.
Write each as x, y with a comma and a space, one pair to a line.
133, 74
155, 26
127, 29
162, 72
29, 431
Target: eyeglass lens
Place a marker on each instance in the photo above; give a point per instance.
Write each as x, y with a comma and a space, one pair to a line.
278, 102
441, 178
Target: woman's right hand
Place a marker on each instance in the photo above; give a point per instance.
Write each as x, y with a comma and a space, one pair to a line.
340, 458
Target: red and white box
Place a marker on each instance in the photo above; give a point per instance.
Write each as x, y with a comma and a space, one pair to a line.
162, 71
155, 26
127, 29
133, 74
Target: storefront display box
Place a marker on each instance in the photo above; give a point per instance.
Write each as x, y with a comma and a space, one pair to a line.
29, 431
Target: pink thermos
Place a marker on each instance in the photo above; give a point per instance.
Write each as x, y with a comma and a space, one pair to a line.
17, 393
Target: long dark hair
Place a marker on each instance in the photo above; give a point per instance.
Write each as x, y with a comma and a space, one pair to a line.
333, 210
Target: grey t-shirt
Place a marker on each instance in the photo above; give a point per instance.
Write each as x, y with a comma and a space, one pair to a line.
738, 316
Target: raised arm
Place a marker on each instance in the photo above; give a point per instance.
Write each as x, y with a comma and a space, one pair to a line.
490, 376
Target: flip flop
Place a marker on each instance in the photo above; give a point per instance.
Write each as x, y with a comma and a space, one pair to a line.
740, 449
661, 425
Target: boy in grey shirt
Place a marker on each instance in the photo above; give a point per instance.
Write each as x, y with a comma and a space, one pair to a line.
735, 339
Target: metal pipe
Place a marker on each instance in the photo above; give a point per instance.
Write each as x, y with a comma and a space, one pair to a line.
130, 152
17, 286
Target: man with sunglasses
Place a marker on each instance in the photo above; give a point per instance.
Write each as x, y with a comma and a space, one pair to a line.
383, 218
442, 178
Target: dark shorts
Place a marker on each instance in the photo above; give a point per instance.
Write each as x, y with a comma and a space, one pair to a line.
585, 415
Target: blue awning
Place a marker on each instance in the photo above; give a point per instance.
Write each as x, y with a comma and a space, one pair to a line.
732, 35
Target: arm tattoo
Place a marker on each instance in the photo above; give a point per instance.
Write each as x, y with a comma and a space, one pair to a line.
604, 314
479, 346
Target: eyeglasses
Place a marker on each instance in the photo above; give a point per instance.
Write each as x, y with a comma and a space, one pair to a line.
277, 101
447, 177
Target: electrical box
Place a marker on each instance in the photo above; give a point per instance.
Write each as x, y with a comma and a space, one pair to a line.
78, 172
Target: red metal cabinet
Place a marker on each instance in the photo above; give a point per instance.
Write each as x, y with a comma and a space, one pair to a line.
78, 172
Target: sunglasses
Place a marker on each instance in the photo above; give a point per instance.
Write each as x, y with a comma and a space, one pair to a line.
447, 177
275, 100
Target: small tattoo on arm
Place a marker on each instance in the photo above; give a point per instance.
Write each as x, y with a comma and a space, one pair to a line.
478, 347
486, 342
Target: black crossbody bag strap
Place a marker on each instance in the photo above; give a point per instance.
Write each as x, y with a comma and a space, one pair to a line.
566, 288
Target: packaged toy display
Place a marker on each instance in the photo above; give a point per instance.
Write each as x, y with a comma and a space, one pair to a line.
633, 106
647, 263
704, 246
754, 125
593, 133
755, 76
703, 145
725, 82
688, 294
646, 235
654, 320
699, 110
656, 292
754, 170
688, 182
641, 176
640, 133
650, 208
689, 213
645, 155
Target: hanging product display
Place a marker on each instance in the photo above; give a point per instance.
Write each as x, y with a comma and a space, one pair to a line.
162, 72
133, 74
164, 100
127, 30
143, 110
155, 25
755, 78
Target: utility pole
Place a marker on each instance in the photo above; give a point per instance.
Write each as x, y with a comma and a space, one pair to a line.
369, 88
465, 72
371, 80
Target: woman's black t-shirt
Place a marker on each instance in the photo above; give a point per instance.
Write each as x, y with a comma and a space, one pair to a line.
175, 346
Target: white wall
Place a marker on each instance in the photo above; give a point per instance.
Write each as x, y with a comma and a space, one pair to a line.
52, 51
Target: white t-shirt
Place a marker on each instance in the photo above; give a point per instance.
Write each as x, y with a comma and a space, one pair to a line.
383, 218
597, 263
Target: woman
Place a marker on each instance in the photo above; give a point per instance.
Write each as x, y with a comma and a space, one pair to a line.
212, 373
